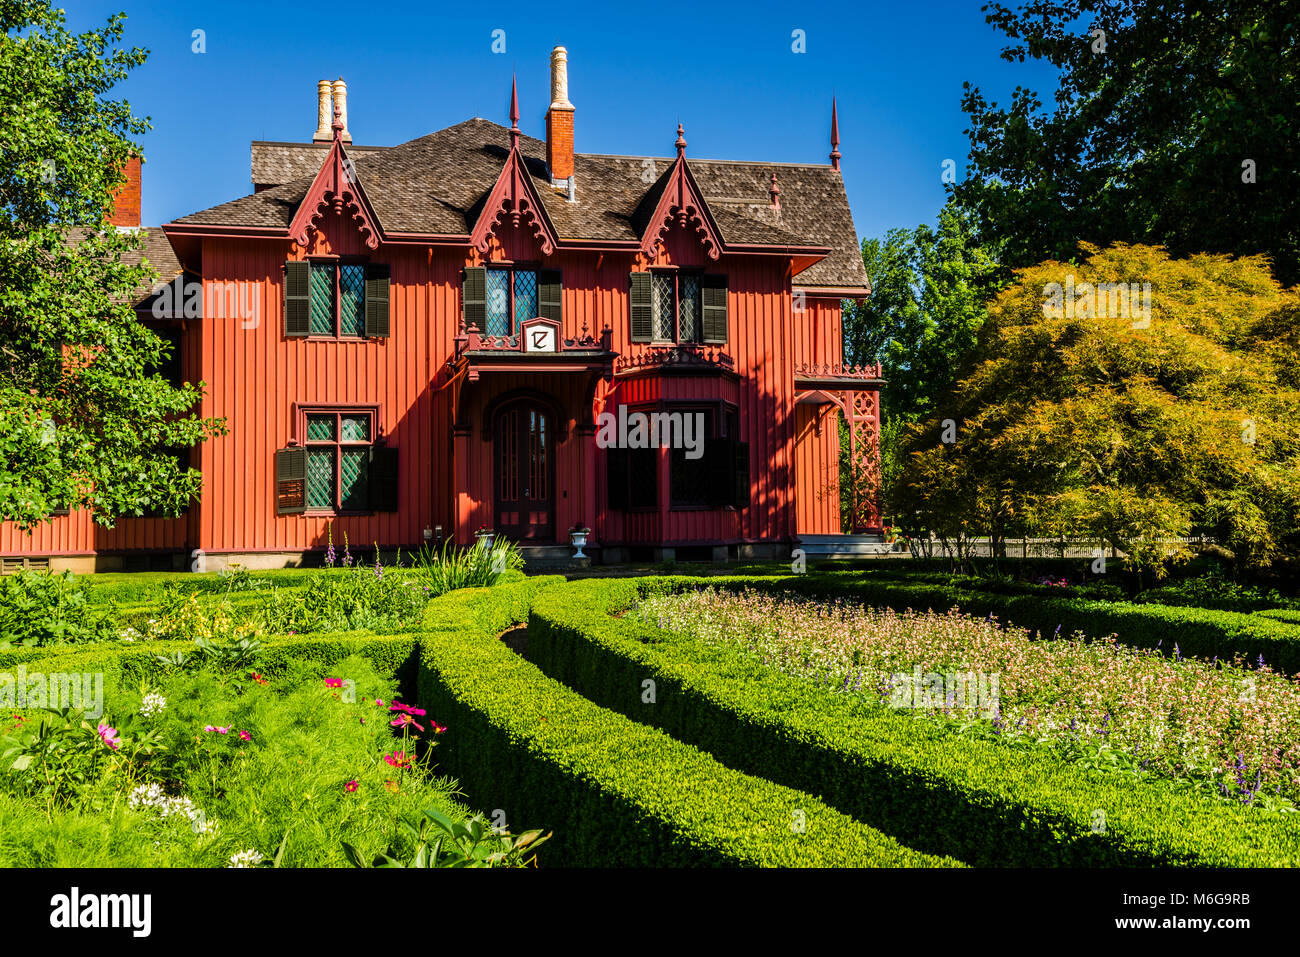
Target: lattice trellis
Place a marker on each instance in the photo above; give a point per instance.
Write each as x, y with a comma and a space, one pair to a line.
688, 321
663, 308
353, 474
320, 428
355, 428
320, 478
525, 296
322, 299
352, 301
864, 455
497, 319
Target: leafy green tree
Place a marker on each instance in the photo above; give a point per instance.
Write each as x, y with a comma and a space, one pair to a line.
1173, 124
1126, 421
84, 420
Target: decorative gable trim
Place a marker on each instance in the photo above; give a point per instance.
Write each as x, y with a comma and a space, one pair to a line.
681, 203
336, 187
514, 196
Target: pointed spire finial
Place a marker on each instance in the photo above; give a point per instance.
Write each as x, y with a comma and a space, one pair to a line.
514, 113
681, 141
835, 136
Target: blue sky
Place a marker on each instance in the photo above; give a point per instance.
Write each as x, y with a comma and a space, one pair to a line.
727, 71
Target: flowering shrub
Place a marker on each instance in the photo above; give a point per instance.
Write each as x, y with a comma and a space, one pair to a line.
40, 608
1233, 727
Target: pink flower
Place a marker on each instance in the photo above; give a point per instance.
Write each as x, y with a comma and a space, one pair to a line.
399, 759
245, 736
108, 735
405, 720
212, 727
350, 786
438, 728
380, 702
408, 709
333, 682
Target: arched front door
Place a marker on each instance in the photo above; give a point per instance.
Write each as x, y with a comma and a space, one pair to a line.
524, 452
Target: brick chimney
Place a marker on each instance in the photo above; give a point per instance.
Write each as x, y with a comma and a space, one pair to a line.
126, 202
559, 123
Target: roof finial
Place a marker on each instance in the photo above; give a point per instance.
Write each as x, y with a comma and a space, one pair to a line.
514, 113
681, 141
775, 191
835, 137
337, 125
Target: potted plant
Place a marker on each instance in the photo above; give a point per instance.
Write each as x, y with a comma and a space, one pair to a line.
484, 535
578, 538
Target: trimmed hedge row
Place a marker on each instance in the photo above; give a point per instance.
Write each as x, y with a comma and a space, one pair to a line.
1198, 632
615, 792
975, 800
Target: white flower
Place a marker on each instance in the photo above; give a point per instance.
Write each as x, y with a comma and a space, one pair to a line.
249, 858
152, 705
129, 634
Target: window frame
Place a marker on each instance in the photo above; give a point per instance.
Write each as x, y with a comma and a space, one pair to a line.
510, 268
676, 273
337, 262
339, 410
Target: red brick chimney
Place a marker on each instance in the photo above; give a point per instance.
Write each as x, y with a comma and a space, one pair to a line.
559, 122
126, 202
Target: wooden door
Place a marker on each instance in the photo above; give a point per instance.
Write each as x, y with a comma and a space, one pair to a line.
524, 482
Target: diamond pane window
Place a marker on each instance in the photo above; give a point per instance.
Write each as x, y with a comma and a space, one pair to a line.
352, 300
355, 428
688, 315
320, 428
498, 303
352, 462
663, 307
322, 299
320, 477
525, 296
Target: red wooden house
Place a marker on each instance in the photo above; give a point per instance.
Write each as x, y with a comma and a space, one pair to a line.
409, 343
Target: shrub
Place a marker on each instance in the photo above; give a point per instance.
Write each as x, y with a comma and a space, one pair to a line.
1215, 591
358, 598
615, 792
41, 608
976, 800
475, 567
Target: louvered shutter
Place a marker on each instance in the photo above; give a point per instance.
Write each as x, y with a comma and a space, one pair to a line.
713, 299
741, 458
473, 297
377, 311
641, 306
616, 461
291, 481
548, 294
297, 298
382, 479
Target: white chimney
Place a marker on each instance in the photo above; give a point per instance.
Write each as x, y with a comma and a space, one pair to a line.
341, 101
324, 113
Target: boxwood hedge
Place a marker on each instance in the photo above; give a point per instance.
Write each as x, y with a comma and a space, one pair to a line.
975, 800
614, 791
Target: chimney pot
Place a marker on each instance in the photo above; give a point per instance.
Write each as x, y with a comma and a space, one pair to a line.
126, 201
341, 105
324, 113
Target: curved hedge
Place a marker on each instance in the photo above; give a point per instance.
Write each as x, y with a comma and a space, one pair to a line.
615, 792
982, 803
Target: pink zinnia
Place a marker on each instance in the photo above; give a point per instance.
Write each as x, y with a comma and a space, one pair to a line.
108, 735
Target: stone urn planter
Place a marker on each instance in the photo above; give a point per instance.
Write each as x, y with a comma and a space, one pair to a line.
578, 539
484, 539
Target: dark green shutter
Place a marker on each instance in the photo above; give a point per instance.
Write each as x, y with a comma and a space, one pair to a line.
741, 499
713, 297
548, 294
297, 298
616, 477
383, 479
641, 306
291, 481
719, 466
377, 311
473, 297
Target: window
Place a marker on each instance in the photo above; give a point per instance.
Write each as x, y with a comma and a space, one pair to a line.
678, 307
511, 300
338, 456
688, 478
717, 478
332, 299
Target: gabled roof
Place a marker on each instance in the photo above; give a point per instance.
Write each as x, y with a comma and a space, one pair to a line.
438, 184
